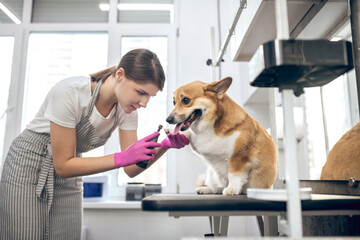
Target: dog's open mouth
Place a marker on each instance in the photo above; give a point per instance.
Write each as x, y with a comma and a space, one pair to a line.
186, 124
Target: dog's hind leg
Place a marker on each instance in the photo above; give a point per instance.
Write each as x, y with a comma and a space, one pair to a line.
262, 177
200, 185
213, 183
203, 186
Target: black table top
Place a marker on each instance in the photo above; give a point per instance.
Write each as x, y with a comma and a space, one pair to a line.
217, 202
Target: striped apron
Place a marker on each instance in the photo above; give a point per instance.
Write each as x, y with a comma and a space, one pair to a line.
36, 203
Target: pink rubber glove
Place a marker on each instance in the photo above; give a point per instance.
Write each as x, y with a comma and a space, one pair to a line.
137, 152
175, 140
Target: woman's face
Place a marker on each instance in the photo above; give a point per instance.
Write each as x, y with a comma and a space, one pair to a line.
132, 95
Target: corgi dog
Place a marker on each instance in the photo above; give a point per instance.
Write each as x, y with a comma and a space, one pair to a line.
343, 161
238, 151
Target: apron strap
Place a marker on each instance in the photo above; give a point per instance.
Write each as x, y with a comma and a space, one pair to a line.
116, 118
94, 97
46, 181
92, 102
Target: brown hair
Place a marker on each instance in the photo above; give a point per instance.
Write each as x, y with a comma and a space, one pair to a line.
140, 65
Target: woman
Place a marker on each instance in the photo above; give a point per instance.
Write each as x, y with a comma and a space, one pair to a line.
41, 187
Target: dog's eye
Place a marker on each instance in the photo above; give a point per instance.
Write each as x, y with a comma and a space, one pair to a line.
185, 100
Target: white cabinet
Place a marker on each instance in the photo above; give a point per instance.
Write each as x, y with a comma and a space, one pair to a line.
307, 19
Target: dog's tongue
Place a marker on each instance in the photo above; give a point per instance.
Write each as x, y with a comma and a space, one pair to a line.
178, 127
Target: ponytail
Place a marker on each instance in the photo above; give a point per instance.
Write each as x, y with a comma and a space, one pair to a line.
103, 74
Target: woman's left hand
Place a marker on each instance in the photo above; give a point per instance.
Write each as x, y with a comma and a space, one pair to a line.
175, 140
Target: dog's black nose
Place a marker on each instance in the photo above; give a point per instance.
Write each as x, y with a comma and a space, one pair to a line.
170, 119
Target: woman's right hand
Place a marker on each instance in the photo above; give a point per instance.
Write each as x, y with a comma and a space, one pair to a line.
141, 150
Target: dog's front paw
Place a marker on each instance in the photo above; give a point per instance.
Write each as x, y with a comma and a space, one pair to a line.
203, 190
187, 134
231, 191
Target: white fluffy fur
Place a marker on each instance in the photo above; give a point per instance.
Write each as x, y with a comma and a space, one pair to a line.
236, 184
216, 157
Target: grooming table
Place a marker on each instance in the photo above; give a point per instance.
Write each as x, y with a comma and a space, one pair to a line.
219, 208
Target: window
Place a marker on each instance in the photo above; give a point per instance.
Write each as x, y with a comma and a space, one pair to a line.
75, 11
328, 113
55, 51
6, 56
55, 56
327, 117
155, 112
145, 11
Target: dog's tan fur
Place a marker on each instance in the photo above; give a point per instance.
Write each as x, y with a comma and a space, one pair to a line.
251, 157
343, 161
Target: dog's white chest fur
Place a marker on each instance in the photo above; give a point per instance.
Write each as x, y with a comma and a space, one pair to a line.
217, 151
213, 147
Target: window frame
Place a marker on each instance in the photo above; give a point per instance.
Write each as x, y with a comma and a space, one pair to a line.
115, 31
16, 87
9, 107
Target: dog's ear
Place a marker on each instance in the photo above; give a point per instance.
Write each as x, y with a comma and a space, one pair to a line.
220, 87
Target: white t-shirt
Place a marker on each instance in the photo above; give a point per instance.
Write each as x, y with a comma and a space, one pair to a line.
67, 103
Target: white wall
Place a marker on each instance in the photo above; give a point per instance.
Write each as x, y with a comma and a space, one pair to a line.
194, 48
